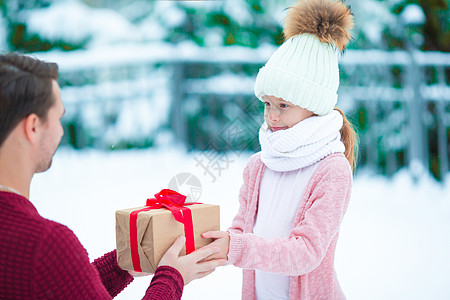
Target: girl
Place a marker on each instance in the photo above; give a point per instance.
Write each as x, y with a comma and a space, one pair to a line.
296, 190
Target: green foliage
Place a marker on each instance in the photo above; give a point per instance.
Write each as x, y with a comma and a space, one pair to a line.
435, 31
20, 39
380, 127
3, 7
202, 21
199, 23
211, 128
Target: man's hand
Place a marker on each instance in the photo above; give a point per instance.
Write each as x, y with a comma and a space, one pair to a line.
191, 266
222, 240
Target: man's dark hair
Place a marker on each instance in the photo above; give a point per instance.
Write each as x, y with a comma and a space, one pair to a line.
25, 88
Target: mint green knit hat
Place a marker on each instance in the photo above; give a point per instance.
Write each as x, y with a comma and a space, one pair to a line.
304, 69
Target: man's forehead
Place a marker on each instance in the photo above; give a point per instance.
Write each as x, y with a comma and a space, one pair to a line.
57, 94
55, 85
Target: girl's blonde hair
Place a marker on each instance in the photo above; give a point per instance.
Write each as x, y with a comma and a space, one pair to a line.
350, 140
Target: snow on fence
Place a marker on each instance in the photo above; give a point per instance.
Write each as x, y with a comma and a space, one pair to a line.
126, 96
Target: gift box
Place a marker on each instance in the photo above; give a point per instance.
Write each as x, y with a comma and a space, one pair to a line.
144, 234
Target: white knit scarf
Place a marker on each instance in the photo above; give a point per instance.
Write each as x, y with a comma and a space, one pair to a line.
303, 144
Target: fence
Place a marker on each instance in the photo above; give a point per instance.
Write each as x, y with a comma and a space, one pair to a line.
399, 101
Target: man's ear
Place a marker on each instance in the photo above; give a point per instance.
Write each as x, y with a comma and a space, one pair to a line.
31, 127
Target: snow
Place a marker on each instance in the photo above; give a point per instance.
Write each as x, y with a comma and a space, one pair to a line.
393, 241
239, 12
372, 17
74, 21
127, 54
226, 83
214, 37
413, 14
70, 17
152, 30
171, 14
109, 56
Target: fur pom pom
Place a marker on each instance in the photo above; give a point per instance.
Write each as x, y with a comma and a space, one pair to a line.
329, 20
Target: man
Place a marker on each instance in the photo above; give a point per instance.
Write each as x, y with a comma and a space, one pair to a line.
39, 258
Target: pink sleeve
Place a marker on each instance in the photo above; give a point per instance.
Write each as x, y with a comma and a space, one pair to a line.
307, 245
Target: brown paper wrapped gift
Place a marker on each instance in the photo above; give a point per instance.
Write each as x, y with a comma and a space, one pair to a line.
157, 229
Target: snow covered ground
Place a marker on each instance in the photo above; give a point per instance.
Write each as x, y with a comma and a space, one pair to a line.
394, 241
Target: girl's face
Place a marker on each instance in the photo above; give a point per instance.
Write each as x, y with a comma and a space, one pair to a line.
280, 114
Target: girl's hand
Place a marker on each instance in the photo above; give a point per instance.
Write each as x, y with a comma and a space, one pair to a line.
222, 240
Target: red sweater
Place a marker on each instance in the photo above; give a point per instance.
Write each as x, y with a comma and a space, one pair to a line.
42, 259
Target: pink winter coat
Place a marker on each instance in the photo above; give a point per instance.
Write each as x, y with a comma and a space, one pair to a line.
307, 256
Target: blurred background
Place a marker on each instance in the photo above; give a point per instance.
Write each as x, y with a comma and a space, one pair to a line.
138, 74
153, 89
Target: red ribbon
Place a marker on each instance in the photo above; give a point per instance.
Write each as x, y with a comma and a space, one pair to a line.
174, 202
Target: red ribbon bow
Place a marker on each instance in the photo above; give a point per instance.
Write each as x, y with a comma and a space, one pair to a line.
174, 202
